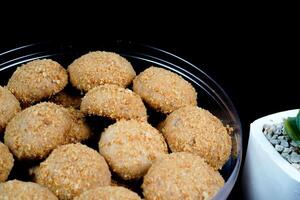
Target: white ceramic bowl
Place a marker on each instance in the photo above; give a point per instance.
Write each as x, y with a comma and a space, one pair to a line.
266, 174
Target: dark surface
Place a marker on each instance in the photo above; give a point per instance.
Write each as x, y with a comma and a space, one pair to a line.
261, 76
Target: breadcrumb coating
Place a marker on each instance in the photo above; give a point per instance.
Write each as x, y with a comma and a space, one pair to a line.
6, 162
130, 147
108, 193
19, 190
37, 79
34, 132
72, 169
181, 176
164, 90
196, 130
98, 68
9, 106
114, 102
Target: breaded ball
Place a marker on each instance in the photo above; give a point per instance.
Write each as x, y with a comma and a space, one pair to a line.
9, 106
79, 130
181, 176
67, 100
34, 132
196, 130
19, 190
114, 102
130, 147
164, 90
98, 68
37, 79
108, 193
72, 169
6, 162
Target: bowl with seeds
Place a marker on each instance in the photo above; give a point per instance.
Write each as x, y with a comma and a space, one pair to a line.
272, 164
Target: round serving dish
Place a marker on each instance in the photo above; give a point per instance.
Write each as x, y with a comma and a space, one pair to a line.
210, 95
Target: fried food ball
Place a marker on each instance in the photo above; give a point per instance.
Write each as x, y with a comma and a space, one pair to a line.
114, 102
72, 169
130, 147
196, 130
37, 79
108, 193
98, 68
34, 132
19, 190
79, 130
181, 176
164, 90
6, 162
67, 100
9, 106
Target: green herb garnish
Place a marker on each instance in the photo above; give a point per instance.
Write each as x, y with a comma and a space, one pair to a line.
292, 128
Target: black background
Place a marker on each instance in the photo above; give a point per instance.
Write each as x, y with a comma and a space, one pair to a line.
256, 65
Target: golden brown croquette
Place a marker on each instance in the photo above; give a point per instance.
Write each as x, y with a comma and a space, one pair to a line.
196, 130
9, 106
181, 176
79, 130
130, 147
72, 169
37, 79
98, 68
66, 99
6, 162
19, 190
114, 102
34, 132
164, 90
108, 193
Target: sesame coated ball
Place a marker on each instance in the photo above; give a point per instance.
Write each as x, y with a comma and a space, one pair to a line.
9, 106
72, 169
37, 79
114, 102
34, 132
19, 190
130, 147
6, 162
98, 68
164, 90
108, 193
181, 176
196, 130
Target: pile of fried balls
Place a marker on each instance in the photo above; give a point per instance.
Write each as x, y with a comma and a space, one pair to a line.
40, 122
